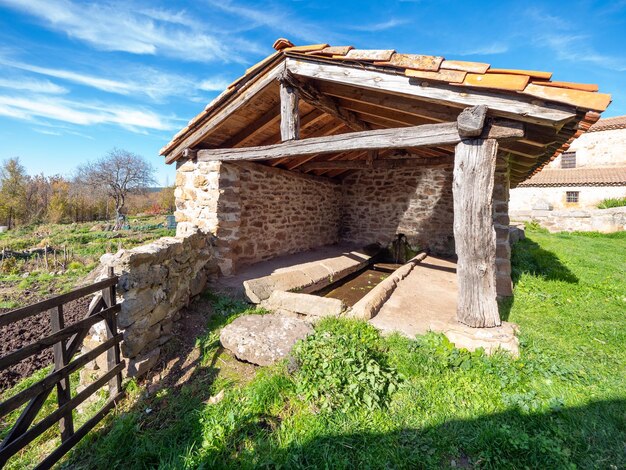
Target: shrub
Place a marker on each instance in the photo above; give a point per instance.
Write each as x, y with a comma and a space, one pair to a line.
612, 202
343, 366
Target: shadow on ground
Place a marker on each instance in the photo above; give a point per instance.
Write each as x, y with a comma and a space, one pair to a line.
527, 257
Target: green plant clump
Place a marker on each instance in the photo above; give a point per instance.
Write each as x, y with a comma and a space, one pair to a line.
612, 202
343, 366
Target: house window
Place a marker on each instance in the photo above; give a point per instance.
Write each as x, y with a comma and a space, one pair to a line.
572, 196
568, 160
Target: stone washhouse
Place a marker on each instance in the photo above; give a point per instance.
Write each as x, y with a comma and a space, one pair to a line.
319, 151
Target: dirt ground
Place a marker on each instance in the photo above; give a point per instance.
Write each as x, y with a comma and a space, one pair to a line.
29, 330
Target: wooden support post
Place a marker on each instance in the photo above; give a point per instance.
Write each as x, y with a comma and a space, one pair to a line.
289, 115
474, 233
113, 354
64, 393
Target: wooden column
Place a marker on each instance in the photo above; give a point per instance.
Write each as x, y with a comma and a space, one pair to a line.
289, 115
474, 234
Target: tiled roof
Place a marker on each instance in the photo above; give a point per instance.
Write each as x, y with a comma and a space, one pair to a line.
607, 176
609, 124
472, 75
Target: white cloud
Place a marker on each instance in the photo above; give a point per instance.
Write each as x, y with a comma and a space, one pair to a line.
82, 113
145, 81
381, 26
115, 26
487, 49
28, 84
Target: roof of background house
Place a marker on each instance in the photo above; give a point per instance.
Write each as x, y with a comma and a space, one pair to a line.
609, 124
584, 99
607, 176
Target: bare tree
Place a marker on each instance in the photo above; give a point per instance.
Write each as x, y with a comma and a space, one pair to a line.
118, 173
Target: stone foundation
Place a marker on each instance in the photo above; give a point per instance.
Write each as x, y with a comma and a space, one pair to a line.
155, 282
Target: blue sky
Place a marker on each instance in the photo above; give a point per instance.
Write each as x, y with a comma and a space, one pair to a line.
78, 78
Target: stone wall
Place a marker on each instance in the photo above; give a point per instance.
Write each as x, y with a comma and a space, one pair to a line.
501, 188
255, 211
378, 204
584, 220
283, 212
156, 281
527, 198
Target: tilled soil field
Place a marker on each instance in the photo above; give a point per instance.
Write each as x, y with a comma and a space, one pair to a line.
29, 330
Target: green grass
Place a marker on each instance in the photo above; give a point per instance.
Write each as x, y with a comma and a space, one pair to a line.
84, 249
562, 404
612, 202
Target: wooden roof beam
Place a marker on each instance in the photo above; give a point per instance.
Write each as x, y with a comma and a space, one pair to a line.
515, 107
417, 136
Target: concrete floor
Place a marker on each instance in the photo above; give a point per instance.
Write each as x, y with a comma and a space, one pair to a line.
425, 300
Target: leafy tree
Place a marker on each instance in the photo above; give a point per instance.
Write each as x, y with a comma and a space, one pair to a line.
13, 184
118, 173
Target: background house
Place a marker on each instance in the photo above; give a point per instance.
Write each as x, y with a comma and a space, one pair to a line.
592, 169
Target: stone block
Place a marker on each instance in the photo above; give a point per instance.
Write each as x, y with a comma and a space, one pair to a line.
140, 365
303, 304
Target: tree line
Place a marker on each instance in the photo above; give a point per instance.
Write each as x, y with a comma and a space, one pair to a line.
115, 185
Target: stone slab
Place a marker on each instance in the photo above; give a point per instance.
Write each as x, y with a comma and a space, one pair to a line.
309, 305
263, 339
307, 277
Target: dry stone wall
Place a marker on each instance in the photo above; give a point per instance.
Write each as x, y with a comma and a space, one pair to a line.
378, 204
155, 282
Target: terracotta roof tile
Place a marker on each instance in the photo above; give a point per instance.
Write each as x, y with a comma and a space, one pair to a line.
609, 124
607, 176
499, 81
584, 99
474, 67
370, 54
414, 61
573, 86
531, 73
448, 76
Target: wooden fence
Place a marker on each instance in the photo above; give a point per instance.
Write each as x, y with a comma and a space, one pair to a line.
66, 341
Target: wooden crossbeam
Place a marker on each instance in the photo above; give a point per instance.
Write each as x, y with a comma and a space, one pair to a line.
406, 137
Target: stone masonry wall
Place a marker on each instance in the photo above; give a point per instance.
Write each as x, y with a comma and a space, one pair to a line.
284, 212
378, 204
255, 211
156, 281
501, 188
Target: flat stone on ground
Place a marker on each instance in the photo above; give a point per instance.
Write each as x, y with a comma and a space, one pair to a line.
263, 339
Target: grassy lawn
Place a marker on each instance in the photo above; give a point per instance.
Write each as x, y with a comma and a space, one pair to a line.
361, 401
83, 246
